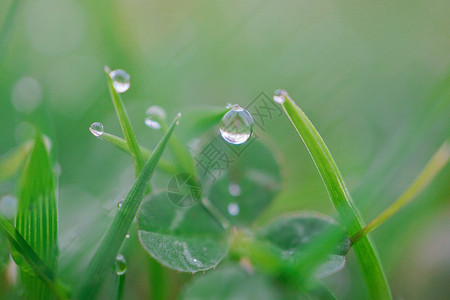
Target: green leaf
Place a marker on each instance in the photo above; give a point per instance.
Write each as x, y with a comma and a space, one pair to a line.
37, 217
11, 162
231, 282
291, 235
30, 257
127, 130
250, 184
104, 257
348, 215
184, 239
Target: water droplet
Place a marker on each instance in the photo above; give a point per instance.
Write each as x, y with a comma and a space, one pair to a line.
236, 126
155, 114
234, 189
279, 96
8, 206
229, 106
96, 129
233, 209
121, 265
119, 204
127, 236
121, 80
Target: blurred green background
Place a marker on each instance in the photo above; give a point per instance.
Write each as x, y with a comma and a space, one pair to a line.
373, 76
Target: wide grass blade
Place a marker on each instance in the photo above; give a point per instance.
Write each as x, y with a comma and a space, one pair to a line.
109, 247
349, 216
37, 217
127, 130
11, 162
33, 260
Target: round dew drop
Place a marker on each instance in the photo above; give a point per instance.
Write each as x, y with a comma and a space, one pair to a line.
121, 80
236, 126
155, 114
233, 209
121, 265
96, 129
279, 96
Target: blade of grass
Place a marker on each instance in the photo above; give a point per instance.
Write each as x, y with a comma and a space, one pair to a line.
11, 162
35, 263
365, 251
122, 145
432, 168
125, 124
37, 217
104, 257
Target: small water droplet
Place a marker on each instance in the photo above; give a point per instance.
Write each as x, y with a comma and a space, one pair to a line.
155, 114
234, 189
229, 106
8, 206
233, 209
236, 126
121, 80
121, 265
127, 236
96, 129
119, 204
279, 96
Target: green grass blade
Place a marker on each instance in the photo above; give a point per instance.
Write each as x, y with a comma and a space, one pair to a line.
127, 130
433, 167
37, 218
110, 245
122, 145
33, 260
349, 216
11, 162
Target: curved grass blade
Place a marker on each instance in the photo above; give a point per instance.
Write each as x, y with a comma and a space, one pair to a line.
349, 216
127, 130
433, 167
11, 162
39, 267
110, 245
37, 217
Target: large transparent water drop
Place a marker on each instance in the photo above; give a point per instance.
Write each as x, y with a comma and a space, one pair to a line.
96, 129
121, 80
121, 265
154, 116
236, 126
279, 96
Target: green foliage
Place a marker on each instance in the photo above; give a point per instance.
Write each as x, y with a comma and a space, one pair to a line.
37, 217
348, 215
104, 257
184, 239
231, 282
